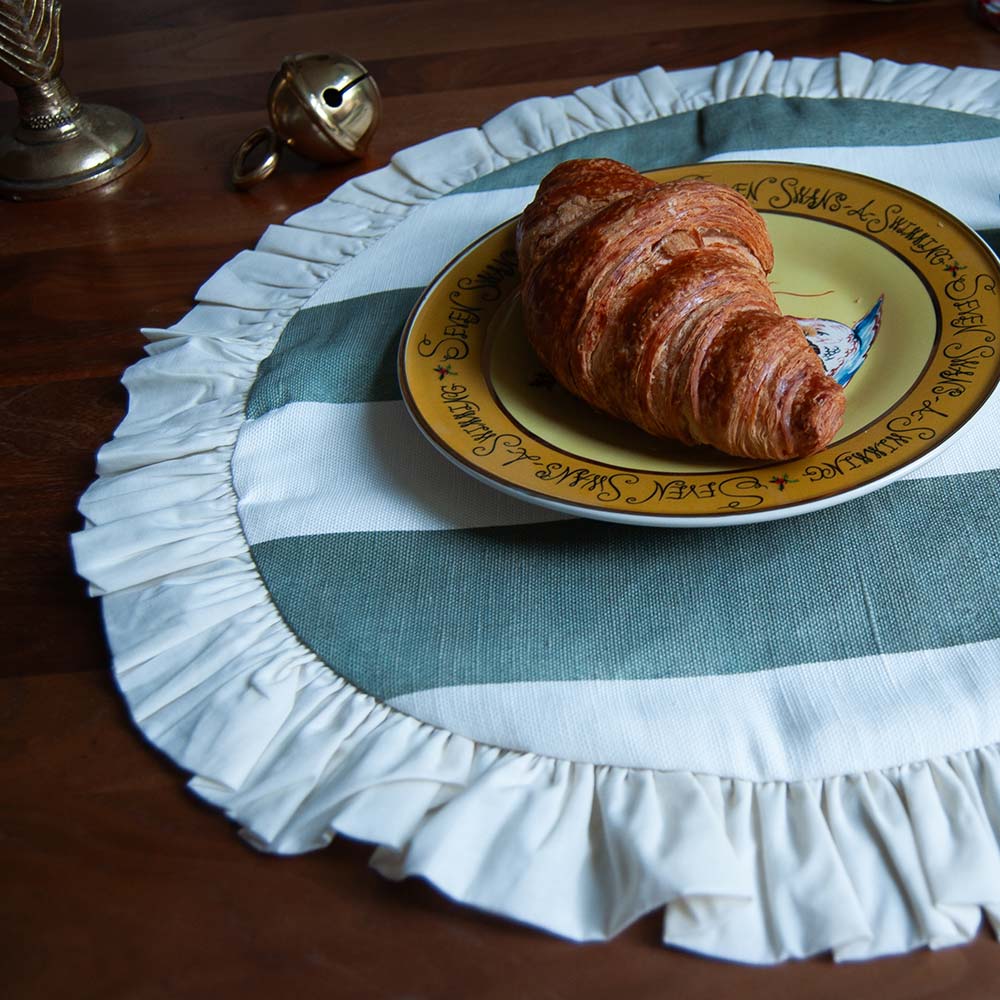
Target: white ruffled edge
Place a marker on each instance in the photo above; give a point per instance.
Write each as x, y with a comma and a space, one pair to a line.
862, 865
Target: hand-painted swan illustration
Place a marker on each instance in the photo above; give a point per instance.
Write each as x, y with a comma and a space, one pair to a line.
841, 348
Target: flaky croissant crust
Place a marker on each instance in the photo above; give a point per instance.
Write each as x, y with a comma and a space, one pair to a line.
651, 302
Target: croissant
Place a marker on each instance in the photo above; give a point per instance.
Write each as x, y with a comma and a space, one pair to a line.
651, 302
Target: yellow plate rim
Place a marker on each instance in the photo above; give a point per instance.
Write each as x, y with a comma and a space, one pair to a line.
431, 423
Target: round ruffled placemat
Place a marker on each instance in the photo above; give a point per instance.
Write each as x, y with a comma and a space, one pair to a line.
785, 734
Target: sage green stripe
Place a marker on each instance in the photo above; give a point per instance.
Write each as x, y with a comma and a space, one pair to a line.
342, 352
762, 122
913, 566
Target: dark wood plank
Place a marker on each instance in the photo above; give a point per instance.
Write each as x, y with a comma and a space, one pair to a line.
116, 17
149, 286
175, 54
888, 32
49, 433
692, 35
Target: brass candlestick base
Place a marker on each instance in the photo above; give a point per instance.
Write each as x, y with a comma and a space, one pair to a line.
59, 147
94, 147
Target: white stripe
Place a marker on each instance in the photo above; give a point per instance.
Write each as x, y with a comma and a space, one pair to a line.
968, 169
798, 722
412, 253
976, 446
321, 468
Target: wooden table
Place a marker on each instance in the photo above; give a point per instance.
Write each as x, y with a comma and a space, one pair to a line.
118, 883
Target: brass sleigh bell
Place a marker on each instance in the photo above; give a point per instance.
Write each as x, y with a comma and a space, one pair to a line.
325, 106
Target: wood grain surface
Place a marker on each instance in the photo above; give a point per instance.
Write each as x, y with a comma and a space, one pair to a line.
117, 882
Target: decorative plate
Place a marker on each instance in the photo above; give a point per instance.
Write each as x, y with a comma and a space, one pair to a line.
854, 257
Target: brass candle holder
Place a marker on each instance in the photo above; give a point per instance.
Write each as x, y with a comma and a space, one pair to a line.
59, 146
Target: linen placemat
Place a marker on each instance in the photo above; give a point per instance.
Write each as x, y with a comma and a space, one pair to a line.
784, 734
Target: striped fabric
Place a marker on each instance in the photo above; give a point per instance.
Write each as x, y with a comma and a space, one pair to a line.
785, 734
487, 610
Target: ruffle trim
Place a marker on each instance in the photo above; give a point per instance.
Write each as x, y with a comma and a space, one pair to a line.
862, 865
